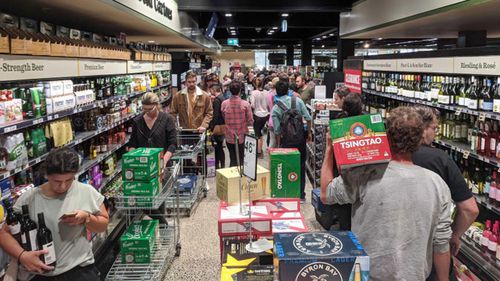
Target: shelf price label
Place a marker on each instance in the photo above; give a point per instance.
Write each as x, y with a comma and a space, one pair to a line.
458, 112
482, 117
466, 154
250, 157
10, 129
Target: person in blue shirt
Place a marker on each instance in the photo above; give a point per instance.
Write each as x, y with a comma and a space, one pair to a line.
277, 115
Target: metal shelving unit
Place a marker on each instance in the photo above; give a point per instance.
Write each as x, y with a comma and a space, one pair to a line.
483, 265
193, 147
167, 245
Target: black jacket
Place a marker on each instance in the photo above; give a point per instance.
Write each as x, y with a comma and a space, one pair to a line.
162, 135
218, 119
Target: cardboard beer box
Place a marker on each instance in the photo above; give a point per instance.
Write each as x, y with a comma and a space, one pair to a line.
359, 140
280, 204
249, 273
227, 181
139, 201
137, 243
286, 215
232, 222
142, 188
285, 172
142, 164
235, 254
289, 225
335, 255
186, 183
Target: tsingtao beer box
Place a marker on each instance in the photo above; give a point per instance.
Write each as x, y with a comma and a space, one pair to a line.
332, 256
285, 172
359, 140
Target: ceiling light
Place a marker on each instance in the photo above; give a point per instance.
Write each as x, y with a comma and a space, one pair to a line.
151, 41
366, 45
322, 46
284, 15
275, 27
324, 36
232, 27
228, 15
380, 38
331, 34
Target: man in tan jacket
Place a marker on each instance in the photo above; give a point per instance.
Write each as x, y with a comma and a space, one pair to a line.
192, 106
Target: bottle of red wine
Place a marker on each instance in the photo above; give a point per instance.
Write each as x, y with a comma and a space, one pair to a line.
12, 221
28, 231
45, 242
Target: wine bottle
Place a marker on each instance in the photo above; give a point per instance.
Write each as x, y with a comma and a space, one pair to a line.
493, 241
12, 221
496, 97
487, 183
28, 231
487, 96
45, 242
493, 188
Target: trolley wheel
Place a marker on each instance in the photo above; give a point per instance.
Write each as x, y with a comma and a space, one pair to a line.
205, 192
188, 213
178, 249
169, 211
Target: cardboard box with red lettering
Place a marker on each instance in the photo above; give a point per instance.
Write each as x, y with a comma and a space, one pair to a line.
232, 222
280, 204
359, 140
286, 215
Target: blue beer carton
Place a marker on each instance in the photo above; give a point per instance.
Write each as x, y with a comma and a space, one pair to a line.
332, 256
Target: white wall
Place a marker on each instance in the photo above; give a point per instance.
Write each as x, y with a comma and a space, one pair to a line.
229, 58
372, 13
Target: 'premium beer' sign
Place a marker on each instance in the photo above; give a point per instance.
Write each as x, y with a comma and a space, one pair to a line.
100, 67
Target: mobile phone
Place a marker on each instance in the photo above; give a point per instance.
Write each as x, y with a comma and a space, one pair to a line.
67, 215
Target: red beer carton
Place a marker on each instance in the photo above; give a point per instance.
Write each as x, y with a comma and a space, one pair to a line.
359, 140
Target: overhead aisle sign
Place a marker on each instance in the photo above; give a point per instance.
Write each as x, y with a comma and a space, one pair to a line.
100, 67
428, 65
139, 66
162, 66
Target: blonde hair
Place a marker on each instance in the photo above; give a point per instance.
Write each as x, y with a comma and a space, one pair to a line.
150, 98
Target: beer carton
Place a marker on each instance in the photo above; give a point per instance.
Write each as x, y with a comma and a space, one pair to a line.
316, 200
255, 272
137, 243
235, 254
142, 164
280, 204
227, 181
142, 188
289, 225
232, 222
285, 172
335, 255
359, 140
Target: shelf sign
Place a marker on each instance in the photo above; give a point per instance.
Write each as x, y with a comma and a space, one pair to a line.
250, 157
165, 12
427, 65
488, 65
381, 65
139, 66
28, 67
100, 67
161, 66
352, 80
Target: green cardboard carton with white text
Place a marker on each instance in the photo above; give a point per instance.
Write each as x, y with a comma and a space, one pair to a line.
285, 172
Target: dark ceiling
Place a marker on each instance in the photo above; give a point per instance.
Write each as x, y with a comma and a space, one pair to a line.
257, 24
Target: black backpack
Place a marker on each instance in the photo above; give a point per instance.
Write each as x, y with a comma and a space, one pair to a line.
292, 127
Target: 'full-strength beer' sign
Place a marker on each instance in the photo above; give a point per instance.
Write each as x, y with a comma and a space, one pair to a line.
352, 80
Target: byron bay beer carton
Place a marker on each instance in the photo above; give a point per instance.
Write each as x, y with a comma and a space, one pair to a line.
285, 172
359, 140
333, 256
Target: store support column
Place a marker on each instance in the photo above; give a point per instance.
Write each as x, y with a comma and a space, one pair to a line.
475, 38
289, 55
306, 57
345, 49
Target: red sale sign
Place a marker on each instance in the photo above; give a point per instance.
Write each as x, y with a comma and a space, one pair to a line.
352, 80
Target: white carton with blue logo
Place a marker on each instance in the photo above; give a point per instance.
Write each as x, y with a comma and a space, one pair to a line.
332, 256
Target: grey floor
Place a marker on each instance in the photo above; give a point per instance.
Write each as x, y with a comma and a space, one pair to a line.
200, 255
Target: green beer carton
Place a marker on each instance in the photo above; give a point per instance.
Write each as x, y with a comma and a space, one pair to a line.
137, 243
142, 188
285, 172
142, 164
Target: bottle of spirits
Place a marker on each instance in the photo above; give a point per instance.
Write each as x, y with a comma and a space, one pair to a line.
45, 242
28, 231
12, 221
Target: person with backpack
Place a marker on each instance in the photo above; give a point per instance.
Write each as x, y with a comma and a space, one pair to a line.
288, 114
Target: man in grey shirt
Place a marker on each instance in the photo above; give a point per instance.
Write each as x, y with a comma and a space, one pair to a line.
400, 212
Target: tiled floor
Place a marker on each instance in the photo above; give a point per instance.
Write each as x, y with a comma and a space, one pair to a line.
200, 256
